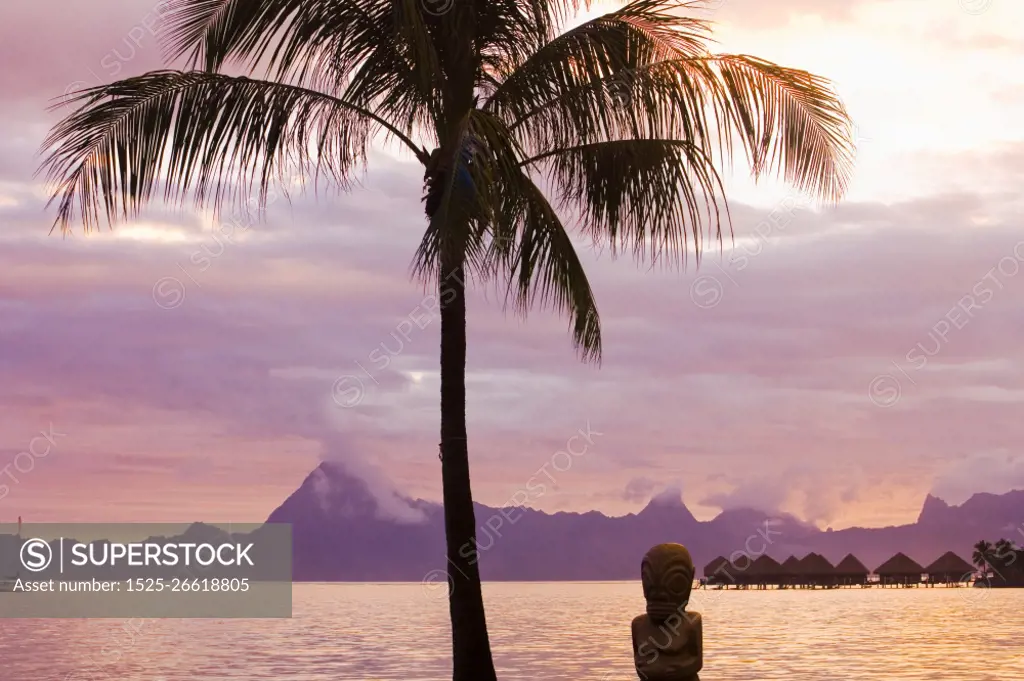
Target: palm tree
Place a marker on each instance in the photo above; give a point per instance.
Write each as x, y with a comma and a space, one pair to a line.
984, 552
1006, 552
624, 117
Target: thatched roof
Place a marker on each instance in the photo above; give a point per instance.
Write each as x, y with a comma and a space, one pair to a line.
851, 567
714, 566
791, 566
765, 566
815, 564
899, 565
949, 564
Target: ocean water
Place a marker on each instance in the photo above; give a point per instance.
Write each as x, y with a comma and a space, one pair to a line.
543, 631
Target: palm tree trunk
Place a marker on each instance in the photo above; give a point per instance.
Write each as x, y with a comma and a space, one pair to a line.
471, 648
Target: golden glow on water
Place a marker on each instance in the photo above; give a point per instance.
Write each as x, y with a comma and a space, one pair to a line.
549, 631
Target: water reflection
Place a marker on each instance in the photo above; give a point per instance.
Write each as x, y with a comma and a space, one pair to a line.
555, 632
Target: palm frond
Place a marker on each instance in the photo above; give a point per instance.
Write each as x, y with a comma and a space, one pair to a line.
521, 237
662, 100
358, 50
544, 268
210, 33
389, 84
642, 32
651, 195
509, 31
196, 132
790, 121
644, 72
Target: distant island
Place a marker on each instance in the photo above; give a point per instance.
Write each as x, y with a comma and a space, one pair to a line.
343, 532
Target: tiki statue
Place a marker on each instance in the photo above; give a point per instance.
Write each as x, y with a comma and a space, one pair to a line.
668, 640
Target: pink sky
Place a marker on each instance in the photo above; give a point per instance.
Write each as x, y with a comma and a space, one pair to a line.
835, 364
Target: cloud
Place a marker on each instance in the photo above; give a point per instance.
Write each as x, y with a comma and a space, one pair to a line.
391, 505
670, 495
762, 14
995, 472
752, 494
638, 489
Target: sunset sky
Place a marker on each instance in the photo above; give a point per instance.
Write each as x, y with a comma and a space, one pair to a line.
838, 367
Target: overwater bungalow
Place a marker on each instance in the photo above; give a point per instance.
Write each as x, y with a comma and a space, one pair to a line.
764, 571
851, 572
814, 570
790, 571
714, 574
899, 571
949, 568
737, 572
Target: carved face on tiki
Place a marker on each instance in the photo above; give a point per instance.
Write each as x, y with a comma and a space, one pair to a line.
667, 576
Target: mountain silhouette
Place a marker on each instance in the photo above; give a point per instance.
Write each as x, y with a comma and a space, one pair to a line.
344, 531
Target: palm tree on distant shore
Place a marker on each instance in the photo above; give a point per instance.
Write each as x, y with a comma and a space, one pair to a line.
1005, 559
522, 127
1004, 550
1010, 557
984, 553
